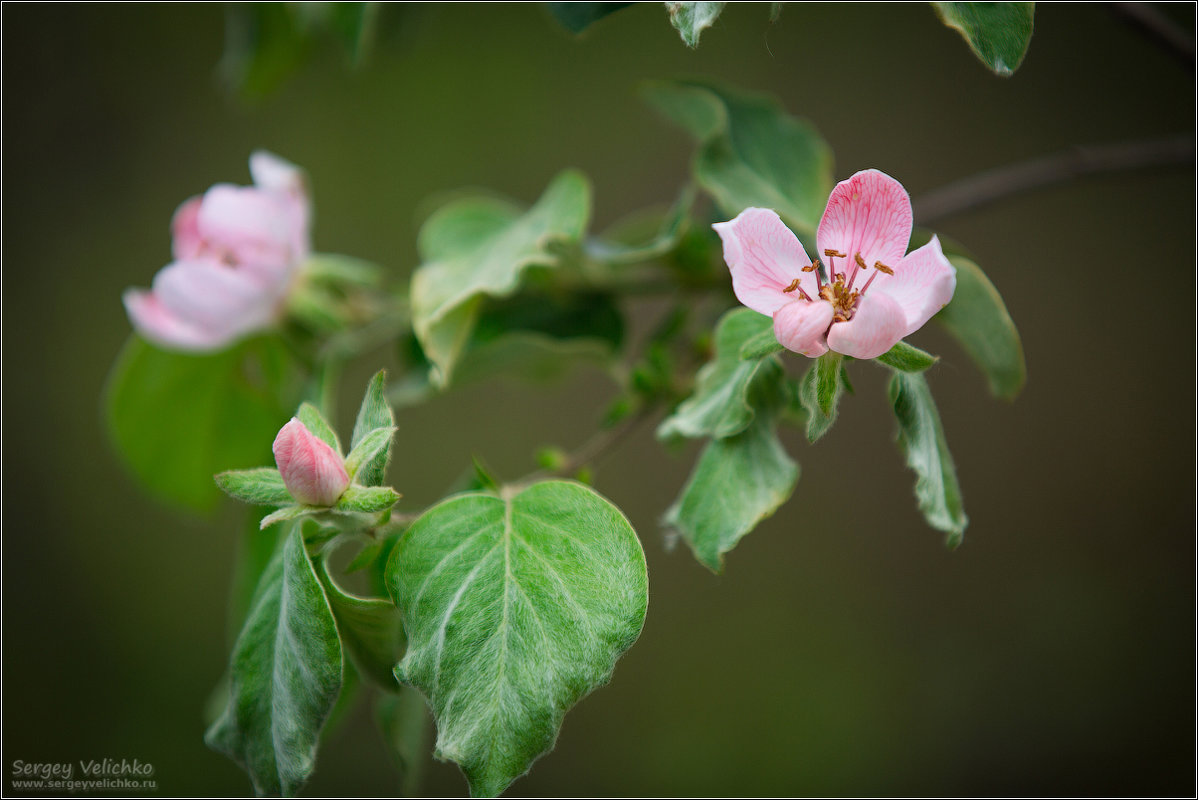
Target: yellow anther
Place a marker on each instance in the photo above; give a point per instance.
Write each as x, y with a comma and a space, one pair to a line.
830, 253
811, 268
860, 261
793, 285
880, 267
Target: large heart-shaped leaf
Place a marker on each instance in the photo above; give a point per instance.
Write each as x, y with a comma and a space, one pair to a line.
515, 607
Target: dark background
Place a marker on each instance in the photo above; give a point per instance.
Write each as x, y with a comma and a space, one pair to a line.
845, 651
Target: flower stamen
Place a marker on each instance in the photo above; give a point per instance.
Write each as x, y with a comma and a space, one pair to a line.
880, 267
814, 267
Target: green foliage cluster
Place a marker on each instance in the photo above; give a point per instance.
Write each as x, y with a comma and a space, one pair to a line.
502, 606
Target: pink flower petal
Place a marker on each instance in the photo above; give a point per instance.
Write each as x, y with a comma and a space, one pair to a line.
876, 326
281, 177
313, 472
870, 214
802, 326
764, 258
224, 301
922, 284
158, 325
248, 226
186, 241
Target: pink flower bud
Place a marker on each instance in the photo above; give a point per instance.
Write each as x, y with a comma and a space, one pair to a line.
237, 249
313, 472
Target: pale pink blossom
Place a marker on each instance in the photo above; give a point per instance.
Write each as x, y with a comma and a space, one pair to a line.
313, 472
875, 292
236, 250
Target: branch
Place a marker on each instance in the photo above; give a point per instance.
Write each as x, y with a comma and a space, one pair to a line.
592, 449
996, 184
1156, 24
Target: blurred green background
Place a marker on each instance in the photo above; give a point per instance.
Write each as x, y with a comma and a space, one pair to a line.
845, 651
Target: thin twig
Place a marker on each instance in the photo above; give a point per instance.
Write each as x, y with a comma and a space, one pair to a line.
996, 184
1153, 22
593, 449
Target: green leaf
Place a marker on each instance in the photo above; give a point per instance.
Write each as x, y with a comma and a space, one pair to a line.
921, 438
762, 345
403, 721
373, 415
611, 249
819, 393
737, 482
906, 358
176, 420
751, 152
476, 257
285, 676
264, 44
515, 607
690, 19
315, 422
720, 405
998, 33
260, 487
978, 320
375, 444
367, 499
370, 629
350, 23
577, 17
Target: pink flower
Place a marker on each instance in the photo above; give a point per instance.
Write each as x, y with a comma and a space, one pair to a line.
236, 251
875, 293
313, 472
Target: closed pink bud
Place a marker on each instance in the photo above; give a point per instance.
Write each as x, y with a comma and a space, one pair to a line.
313, 472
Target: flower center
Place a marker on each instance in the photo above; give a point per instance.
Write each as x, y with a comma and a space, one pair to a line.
839, 289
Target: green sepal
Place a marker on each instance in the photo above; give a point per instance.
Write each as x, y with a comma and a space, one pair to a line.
374, 414
374, 444
340, 270
260, 487
906, 358
316, 424
287, 513
921, 438
367, 499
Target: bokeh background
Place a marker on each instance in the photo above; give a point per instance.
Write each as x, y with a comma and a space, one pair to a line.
845, 651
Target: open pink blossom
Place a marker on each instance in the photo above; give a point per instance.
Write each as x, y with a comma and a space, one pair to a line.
313, 472
875, 292
236, 251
